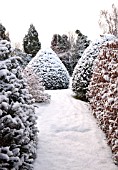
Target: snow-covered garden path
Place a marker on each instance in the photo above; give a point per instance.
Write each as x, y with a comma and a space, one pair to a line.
69, 137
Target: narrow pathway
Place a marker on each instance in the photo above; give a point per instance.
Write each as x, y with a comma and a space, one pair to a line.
69, 137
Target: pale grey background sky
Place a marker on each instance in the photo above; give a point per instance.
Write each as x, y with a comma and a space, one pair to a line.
51, 16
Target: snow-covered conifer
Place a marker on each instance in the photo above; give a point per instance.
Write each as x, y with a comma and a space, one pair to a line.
103, 94
83, 70
18, 133
47, 65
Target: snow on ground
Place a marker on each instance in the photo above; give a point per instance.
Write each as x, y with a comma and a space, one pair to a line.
69, 138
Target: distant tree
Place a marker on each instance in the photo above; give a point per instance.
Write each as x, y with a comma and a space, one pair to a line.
69, 48
77, 48
81, 44
60, 43
72, 38
108, 22
3, 34
31, 42
17, 45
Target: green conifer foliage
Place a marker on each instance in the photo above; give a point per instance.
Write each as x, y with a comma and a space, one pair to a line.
31, 42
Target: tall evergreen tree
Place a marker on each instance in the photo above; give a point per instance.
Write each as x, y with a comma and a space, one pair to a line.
31, 42
60, 43
81, 44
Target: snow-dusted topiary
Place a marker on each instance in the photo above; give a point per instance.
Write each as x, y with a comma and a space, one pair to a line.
103, 94
83, 70
46, 64
18, 133
35, 86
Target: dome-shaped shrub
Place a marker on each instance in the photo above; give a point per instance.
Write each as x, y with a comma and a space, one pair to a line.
83, 70
48, 65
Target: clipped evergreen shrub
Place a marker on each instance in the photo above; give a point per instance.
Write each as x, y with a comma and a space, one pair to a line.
83, 70
47, 65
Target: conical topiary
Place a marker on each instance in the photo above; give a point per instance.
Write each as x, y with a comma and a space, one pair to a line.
52, 71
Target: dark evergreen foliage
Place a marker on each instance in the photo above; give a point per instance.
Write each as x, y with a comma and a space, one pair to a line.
81, 44
31, 42
3, 35
60, 44
68, 53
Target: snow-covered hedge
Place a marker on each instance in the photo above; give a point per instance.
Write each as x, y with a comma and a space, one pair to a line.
83, 70
48, 65
18, 133
103, 94
35, 86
